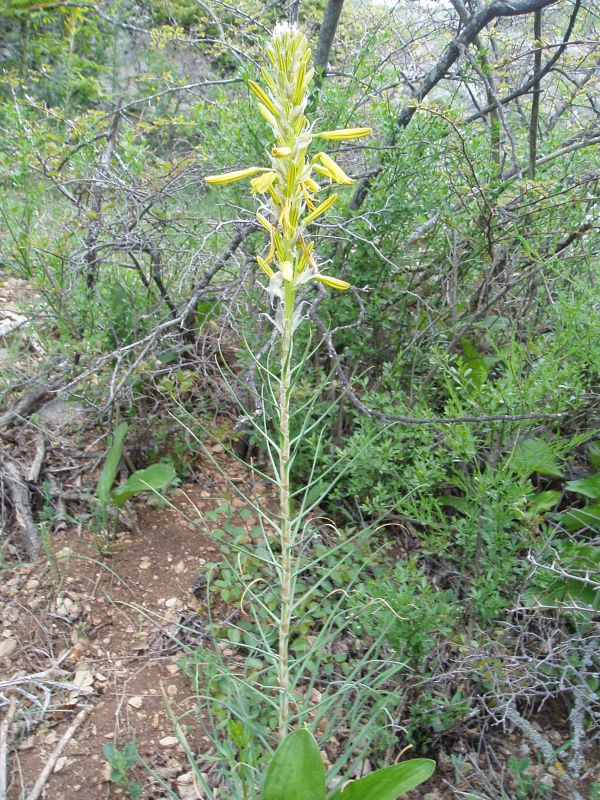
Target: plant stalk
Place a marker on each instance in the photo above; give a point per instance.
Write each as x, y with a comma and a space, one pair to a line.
285, 512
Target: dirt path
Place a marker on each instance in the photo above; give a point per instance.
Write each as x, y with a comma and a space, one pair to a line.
110, 627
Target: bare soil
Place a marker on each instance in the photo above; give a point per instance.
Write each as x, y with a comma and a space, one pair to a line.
105, 631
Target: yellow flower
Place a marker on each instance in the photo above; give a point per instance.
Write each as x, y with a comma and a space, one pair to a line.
264, 266
344, 133
330, 169
267, 115
263, 182
311, 185
281, 152
263, 97
230, 177
262, 220
333, 283
320, 209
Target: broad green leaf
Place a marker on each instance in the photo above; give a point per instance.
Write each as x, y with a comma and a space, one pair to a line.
578, 518
543, 501
296, 771
150, 479
534, 455
111, 464
459, 503
388, 783
589, 486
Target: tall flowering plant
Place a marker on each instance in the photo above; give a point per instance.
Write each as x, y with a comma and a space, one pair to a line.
289, 192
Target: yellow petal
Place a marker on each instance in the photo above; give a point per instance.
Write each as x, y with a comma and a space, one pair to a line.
230, 177
320, 209
267, 115
281, 152
268, 79
322, 171
337, 173
263, 182
333, 283
263, 97
311, 185
344, 133
262, 220
287, 271
307, 252
264, 266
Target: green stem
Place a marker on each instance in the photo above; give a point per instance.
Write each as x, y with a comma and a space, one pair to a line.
285, 513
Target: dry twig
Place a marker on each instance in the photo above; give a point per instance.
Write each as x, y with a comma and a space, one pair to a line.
4, 741
57, 752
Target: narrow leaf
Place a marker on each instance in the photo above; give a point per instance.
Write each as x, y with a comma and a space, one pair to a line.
111, 464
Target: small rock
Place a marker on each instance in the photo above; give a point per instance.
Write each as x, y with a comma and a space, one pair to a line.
169, 741
185, 779
172, 602
60, 764
136, 701
173, 669
28, 743
62, 413
172, 690
7, 647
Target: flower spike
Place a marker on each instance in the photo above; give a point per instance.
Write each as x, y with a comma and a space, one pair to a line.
287, 186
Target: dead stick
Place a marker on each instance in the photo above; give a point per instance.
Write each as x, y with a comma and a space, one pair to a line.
25, 404
4, 738
57, 752
19, 491
38, 460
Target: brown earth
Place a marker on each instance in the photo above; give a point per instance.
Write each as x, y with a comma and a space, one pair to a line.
111, 630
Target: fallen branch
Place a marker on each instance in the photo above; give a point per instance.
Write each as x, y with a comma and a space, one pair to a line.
4, 740
57, 752
38, 460
24, 405
19, 492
